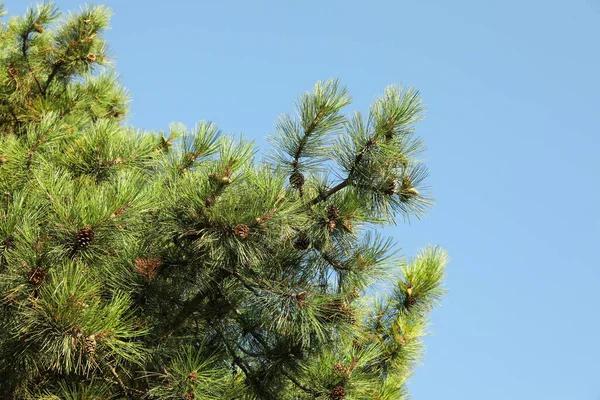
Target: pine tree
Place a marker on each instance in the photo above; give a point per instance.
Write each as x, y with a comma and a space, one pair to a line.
179, 265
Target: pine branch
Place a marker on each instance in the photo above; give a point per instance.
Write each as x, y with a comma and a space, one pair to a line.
308, 390
359, 156
24, 48
55, 68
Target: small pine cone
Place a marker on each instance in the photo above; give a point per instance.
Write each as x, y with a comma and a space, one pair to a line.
91, 57
38, 27
302, 242
331, 226
85, 236
193, 376
13, 72
340, 369
391, 187
37, 275
297, 180
3, 160
300, 298
209, 201
333, 212
89, 345
410, 301
241, 231
338, 393
226, 180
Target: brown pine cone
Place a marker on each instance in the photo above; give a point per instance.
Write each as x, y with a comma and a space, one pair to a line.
242, 231
89, 345
338, 393
333, 212
37, 275
85, 236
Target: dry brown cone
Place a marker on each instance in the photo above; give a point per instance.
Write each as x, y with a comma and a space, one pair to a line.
148, 267
340, 369
338, 393
37, 275
333, 212
242, 231
85, 236
89, 345
300, 298
209, 201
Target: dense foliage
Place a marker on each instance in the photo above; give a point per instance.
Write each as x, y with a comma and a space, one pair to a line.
177, 265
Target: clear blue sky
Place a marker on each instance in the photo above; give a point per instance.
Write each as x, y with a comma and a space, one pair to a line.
512, 130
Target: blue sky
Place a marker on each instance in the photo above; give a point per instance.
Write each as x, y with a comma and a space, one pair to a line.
512, 133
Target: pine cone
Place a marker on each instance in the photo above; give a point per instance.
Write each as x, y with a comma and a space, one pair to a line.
302, 242
3, 160
91, 57
38, 27
241, 231
85, 236
333, 212
37, 275
300, 298
209, 201
410, 301
297, 180
89, 345
338, 393
340, 369
331, 226
391, 187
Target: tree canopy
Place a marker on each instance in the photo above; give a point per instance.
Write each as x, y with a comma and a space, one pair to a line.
183, 265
